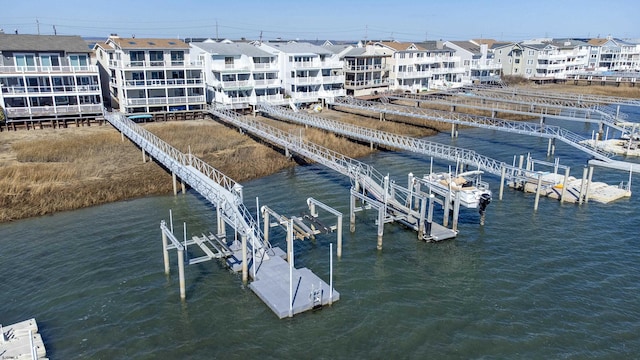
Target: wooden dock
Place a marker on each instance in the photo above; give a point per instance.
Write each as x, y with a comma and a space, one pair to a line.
21, 341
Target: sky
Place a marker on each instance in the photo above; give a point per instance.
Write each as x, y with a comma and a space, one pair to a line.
408, 20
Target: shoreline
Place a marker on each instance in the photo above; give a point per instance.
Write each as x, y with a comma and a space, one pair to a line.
44, 171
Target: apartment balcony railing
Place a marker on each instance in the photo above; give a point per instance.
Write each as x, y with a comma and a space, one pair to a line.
413, 74
310, 95
311, 80
166, 100
555, 57
265, 66
551, 66
236, 84
155, 64
55, 90
270, 98
266, 82
305, 64
373, 67
58, 109
332, 92
362, 84
448, 70
332, 64
48, 69
486, 66
333, 79
163, 82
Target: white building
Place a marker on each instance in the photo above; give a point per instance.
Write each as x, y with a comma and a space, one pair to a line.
367, 69
46, 77
477, 61
239, 74
611, 54
151, 75
309, 73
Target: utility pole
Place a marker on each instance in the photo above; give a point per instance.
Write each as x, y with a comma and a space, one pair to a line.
217, 38
55, 32
38, 25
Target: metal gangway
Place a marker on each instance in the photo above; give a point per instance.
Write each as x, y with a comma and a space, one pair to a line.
558, 98
222, 191
531, 106
368, 184
445, 152
519, 127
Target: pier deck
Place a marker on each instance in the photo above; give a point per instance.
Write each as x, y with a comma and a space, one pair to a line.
21, 341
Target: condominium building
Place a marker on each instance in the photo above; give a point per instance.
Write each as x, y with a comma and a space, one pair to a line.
366, 70
151, 75
610, 54
478, 62
239, 75
309, 73
48, 77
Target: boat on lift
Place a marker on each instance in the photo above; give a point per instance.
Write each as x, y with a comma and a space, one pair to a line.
474, 193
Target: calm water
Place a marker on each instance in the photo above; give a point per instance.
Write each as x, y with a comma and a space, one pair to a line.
562, 282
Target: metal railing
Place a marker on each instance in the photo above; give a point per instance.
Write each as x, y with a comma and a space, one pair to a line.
219, 189
518, 127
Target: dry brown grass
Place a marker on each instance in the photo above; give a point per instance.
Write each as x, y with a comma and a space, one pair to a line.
623, 90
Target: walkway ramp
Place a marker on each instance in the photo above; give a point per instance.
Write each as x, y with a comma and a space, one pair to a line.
217, 188
391, 197
484, 122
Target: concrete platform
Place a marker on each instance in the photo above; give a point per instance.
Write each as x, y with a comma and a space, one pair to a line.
272, 286
16, 343
439, 233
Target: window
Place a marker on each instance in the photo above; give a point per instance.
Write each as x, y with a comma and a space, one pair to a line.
528, 71
156, 58
228, 60
517, 61
78, 61
530, 62
25, 61
177, 58
466, 63
137, 58
531, 52
49, 60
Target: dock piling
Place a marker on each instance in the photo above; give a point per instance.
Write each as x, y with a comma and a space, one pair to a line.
183, 295
538, 190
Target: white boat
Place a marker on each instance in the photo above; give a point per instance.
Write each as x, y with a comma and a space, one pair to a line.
474, 193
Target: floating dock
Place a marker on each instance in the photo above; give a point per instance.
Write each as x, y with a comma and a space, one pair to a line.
21, 341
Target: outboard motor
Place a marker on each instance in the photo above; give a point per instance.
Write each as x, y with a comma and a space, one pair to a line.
485, 199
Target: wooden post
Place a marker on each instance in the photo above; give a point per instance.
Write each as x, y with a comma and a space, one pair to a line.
181, 274
582, 184
538, 189
173, 178
564, 185
447, 204
165, 253
456, 211
352, 213
183, 186
380, 226
144, 156
245, 268
586, 191
503, 172
339, 229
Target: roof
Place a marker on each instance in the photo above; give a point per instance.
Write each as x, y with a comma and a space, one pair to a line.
148, 43
337, 49
489, 42
42, 43
568, 43
468, 46
232, 49
298, 48
401, 46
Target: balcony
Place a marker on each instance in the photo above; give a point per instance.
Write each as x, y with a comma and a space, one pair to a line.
155, 64
266, 82
51, 90
265, 66
274, 99
448, 70
305, 64
373, 67
332, 64
363, 84
551, 66
166, 100
337, 79
236, 84
481, 67
552, 57
413, 74
305, 96
163, 82
311, 80
48, 110
48, 69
